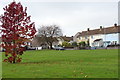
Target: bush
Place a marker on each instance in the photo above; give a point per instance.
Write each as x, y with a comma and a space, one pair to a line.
66, 44
74, 44
82, 44
117, 45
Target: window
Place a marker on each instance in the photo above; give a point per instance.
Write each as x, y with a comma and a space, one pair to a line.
85, 37
80, 38
92, 37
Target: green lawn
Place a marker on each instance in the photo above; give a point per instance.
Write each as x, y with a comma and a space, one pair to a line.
64, 64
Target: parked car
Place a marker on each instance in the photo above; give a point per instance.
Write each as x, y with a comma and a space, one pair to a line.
31, 48
38, 48
59, 48
93, 48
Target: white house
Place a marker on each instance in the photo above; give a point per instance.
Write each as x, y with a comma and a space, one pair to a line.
99, 37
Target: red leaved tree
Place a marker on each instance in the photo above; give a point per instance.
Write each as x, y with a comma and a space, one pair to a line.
16, 29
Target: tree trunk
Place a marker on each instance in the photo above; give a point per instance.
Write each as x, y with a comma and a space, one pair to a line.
14, 51
51, 46
14, 60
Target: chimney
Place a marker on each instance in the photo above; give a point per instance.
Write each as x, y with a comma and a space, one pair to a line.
88, 29
101, 28
115, 24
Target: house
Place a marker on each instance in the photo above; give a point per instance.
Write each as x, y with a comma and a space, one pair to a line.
65, 38
40, 42
101, 37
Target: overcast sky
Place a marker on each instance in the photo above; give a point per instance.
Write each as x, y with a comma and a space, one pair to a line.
72, 16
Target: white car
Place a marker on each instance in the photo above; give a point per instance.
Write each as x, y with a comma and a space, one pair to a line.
38, 48
59, 48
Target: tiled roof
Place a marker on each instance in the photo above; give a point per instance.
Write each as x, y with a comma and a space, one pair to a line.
108, 30
37, 41
67, 38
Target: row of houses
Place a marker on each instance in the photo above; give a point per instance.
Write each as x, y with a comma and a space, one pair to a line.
101, 37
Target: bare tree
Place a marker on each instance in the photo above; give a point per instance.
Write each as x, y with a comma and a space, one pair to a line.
49, 34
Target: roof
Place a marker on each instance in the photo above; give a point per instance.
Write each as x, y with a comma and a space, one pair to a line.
67, 38
37, 41
108, 30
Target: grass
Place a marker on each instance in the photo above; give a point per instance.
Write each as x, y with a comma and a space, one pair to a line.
0, 65
64, 64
